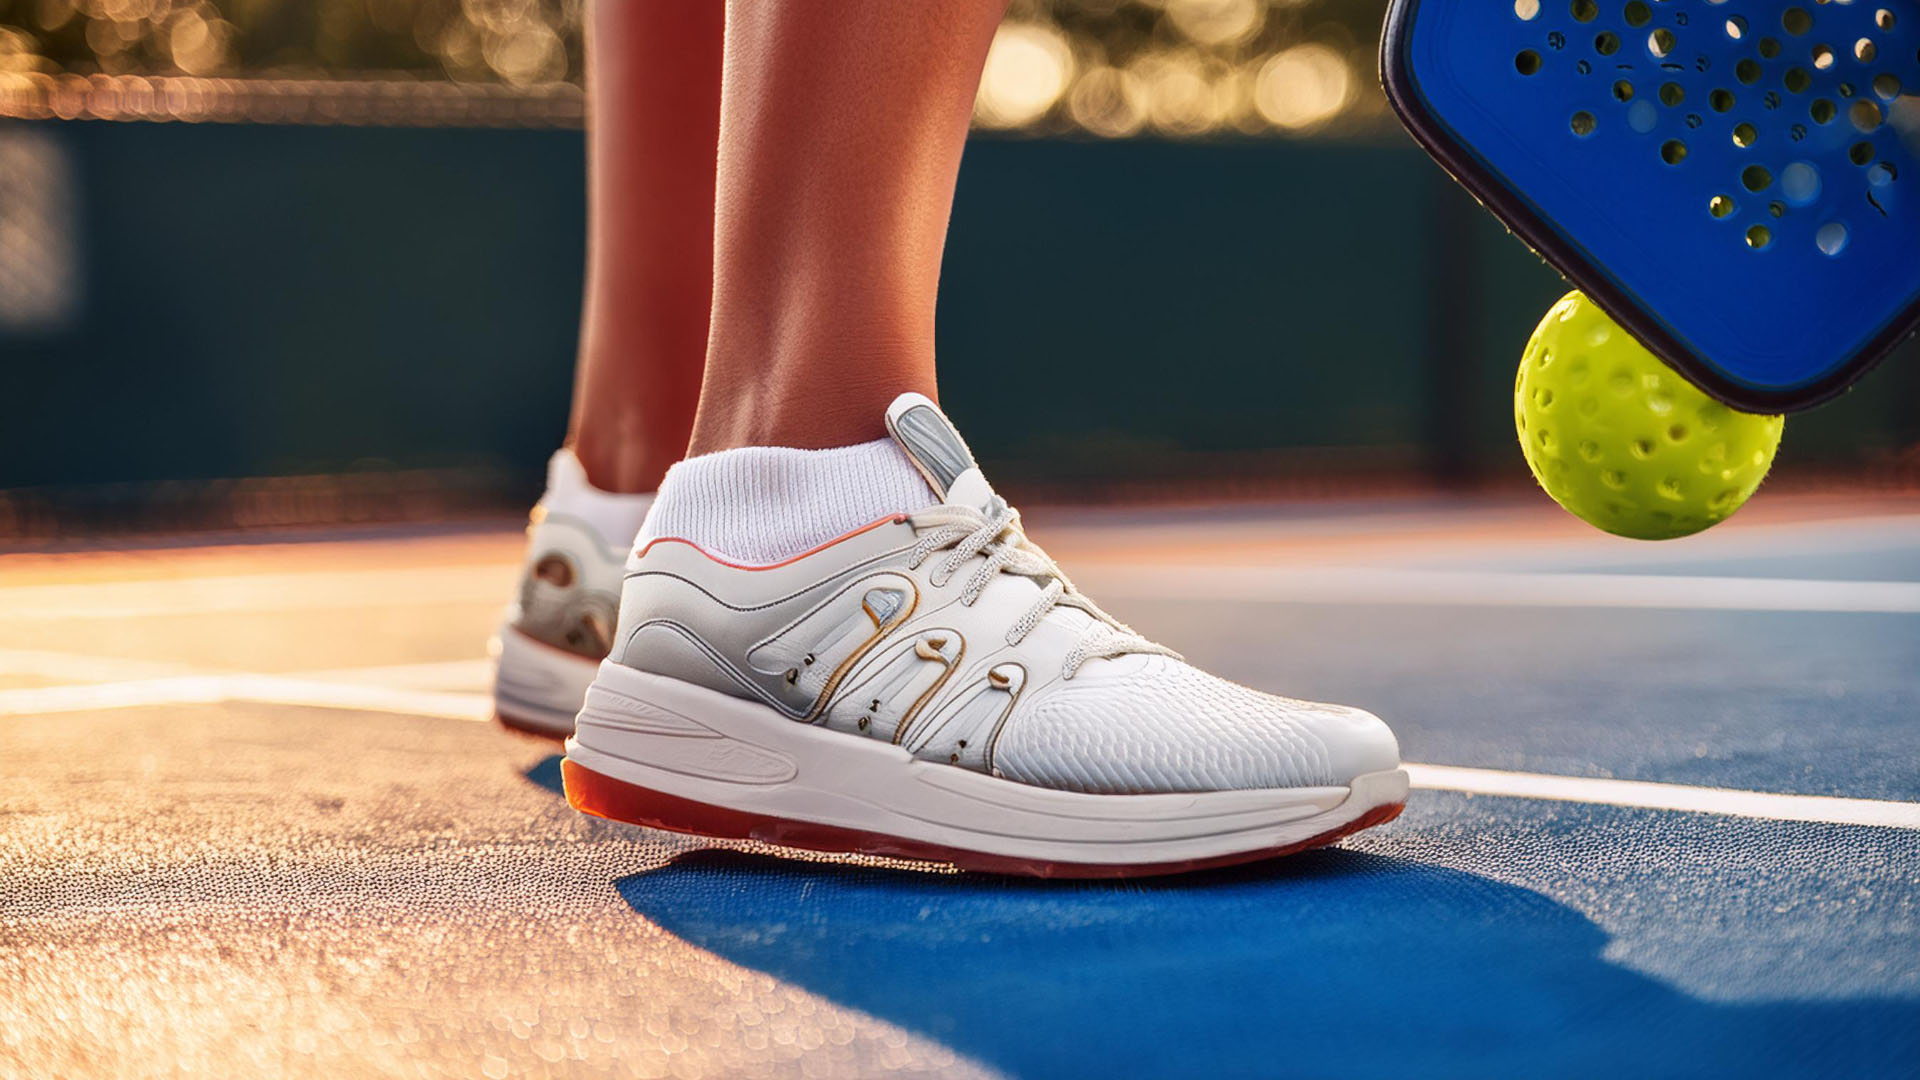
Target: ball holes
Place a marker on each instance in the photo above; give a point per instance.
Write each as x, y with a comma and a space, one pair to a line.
1720, 206
1526, 10
1672, 94
1769, 47
1822, 111
1661, 42
1527, 62
1607, 43
1677, 432
1759, 237
1623, 91
1882, 174
1830, 238
1721, 100
1582, 123
1796, 21
1638, 14
1747, 71
1845, 90
1584, 10
1745, 135
1886, 86
1797, 80
1822, 57
1864, 50
1861, 153
1800, 183
1737, 27
1777, 209
1864, 115
1883, 19
1756, 178
1673, 151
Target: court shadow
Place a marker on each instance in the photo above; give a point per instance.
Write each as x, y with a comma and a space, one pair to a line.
1328, 964
546, 773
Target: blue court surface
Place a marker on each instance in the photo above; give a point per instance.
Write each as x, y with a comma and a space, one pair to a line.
1666, 822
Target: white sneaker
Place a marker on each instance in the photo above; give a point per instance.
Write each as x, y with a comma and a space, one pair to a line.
930, 686
558, 628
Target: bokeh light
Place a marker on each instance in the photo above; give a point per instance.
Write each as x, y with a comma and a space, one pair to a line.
1101, 68
1217, 22
1027, 70
1109, 102
1303, 87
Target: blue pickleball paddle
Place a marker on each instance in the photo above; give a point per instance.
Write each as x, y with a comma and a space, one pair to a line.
1735, 182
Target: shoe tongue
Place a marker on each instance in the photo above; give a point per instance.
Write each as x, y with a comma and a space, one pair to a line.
938, 451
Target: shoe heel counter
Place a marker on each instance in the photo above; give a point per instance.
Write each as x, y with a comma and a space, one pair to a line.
567, 595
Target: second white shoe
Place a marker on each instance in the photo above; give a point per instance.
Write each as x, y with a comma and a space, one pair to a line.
554, 633
931, 686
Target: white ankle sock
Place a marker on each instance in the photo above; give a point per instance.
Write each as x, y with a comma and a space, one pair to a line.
761, 504
616, 516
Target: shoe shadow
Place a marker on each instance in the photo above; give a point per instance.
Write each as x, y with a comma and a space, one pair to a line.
546, 773
1331, 963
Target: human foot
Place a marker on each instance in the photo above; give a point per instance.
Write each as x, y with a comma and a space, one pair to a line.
929, 685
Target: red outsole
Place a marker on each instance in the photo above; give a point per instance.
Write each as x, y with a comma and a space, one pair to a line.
525, 727
616, 800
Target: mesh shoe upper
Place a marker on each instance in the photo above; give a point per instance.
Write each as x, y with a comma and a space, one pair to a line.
1153, 723
946, 632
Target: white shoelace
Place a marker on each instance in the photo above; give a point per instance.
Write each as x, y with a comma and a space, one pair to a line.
964, 532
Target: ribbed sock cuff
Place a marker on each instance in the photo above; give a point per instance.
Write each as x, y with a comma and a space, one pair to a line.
762, 504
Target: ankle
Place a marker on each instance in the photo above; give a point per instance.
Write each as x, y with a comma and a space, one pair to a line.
618, 459
808, 395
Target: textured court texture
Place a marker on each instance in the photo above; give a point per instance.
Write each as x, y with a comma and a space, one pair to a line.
254, 821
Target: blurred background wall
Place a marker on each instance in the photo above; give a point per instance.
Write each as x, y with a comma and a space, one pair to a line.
280, 249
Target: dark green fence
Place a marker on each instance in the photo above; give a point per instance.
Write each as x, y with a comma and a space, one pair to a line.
259, 300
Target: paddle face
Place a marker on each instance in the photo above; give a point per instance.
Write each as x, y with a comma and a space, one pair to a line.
1736, 182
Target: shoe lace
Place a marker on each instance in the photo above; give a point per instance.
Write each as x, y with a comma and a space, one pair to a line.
964, 532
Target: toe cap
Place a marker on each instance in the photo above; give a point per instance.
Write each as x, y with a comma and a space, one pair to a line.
1356, 741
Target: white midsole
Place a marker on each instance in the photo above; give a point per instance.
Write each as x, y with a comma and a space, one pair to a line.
538, 685
674, 737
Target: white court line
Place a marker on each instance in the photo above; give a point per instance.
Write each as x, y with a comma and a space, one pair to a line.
1658, 796
475, 674
263, 689
318, 590
64, 667
1783, 540
81, 667
278, 690
1343, 585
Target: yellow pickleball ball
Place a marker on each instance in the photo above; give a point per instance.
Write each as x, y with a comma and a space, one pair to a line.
1622, 441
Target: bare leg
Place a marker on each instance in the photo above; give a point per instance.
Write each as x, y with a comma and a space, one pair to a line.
654, 110
841, 130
